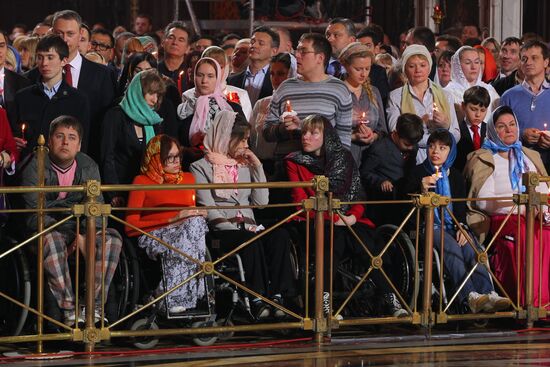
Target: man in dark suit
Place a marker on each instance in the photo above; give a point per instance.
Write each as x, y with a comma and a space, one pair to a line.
255, 79
472, 128
10, 83
93, 80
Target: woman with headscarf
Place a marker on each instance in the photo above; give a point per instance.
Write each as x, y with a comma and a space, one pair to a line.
13, 60
199, 108
422, 97
496, 170
229, 160
437, 174
183, 229
323, 154
128, 127
489, 70
368, 118
465, 73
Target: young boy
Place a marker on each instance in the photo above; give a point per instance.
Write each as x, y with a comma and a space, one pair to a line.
387, 162
51, 97
473, 127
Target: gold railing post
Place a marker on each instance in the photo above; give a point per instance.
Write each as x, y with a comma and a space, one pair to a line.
321, 205
531, 181
41, 152
92, 211
429, 202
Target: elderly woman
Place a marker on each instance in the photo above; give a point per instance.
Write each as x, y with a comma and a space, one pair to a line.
495, 171
422, 97
465, 73
443, 75
183, 229
199, 107
229, 160
437, 173
368, 118
128, 127
323, 154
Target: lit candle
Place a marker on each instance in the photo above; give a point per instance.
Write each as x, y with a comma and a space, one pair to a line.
435, 107
288, 106
23, 127
363, 119
194, 203
436, 171
545, 126
180, 83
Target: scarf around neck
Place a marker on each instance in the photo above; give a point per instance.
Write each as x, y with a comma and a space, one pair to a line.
152, 166
407, 104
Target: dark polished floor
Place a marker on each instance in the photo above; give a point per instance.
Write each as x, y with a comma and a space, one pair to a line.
357, 347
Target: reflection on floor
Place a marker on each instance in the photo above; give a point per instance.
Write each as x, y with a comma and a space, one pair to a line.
357, 347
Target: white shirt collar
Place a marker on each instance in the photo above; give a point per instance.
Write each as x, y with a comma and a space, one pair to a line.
76, 63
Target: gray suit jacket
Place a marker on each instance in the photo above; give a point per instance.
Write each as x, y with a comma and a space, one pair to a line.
223, 219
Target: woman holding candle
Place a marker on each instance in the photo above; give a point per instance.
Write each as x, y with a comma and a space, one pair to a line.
368, 111
183, 229
422, 97
9, 154
496, 170
200, 106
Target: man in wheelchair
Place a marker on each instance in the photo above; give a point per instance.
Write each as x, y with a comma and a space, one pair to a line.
65, 165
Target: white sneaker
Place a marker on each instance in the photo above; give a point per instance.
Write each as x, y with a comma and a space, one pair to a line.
176, 310
498, 303
478, 302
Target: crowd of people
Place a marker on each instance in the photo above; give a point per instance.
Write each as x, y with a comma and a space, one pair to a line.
438, 113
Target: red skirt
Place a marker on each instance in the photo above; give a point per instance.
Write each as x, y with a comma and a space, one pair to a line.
505, 262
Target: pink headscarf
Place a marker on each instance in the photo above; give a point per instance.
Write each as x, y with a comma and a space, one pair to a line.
202, 106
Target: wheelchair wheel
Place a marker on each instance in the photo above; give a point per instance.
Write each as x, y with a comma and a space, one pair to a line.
402, 253
16, 283
124, 289
204, 340
145, 342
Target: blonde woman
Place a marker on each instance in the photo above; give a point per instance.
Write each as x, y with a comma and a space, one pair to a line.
368, 119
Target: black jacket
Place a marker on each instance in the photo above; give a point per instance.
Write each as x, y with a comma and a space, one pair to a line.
501, 85
96, 83
237, 80
37, 111
465, 145
13, 83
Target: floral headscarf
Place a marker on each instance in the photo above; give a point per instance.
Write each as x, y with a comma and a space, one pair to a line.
152, 166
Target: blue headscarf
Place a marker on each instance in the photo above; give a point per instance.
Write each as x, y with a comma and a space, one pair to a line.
442, 186
516, 161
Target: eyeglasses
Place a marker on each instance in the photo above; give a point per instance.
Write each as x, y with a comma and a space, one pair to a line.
171, 159
100, 46
303, 51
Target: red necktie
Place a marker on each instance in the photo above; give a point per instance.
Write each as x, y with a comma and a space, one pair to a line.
68, 75
477, 137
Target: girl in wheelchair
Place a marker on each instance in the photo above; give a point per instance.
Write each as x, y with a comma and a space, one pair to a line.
184, 230
437, 174
323, 154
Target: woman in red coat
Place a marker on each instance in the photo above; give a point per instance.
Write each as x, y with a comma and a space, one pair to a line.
323, 154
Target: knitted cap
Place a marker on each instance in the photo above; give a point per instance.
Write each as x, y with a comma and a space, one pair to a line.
413, 50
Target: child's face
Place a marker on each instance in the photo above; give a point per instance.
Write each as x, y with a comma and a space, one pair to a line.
404, 145
475, 113
438, 153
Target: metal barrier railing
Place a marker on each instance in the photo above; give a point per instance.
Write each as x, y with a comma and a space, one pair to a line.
321, 203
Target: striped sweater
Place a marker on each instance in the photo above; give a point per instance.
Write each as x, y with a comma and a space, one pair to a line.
329, 98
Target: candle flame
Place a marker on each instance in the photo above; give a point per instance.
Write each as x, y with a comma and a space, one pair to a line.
23, 127
181, 73
288, 106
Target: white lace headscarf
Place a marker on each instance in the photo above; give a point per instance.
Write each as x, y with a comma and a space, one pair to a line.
457, 74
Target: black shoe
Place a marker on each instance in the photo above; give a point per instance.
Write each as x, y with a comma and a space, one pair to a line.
259, 310
279, 314
394, 306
